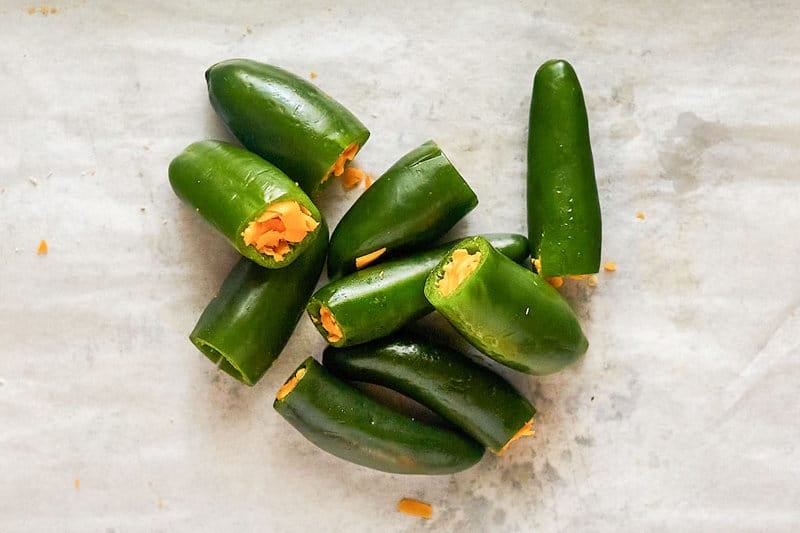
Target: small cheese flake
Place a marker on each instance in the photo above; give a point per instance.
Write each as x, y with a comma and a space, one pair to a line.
365, 260
351, 177
413, 507
42, 250
367, 182
592, 281
556, 281
640, 215
610, 266
313, 75
77, 484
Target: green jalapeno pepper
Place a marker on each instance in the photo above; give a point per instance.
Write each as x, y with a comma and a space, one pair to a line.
261, 212
506, 311
472, 397
564, 225
286, 120
251, 318
415, 202
345, 422
380, 299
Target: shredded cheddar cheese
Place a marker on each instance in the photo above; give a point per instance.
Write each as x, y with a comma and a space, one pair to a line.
367, 182
338, 166
280, 226
352, 176
414, 507
556, 281
525, 431
461, 265
592, 281
42, 250
640, 215
313, 75
537, 264
77, 484
610, 266
330, 325
289, 386
366, 259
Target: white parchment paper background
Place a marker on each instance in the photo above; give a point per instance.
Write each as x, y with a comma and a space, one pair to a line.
682, 416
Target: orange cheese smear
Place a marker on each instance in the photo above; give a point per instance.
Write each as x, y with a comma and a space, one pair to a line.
366, 259
461, 265
289, 386
338, 166
329, 324
525, 431
280, 226
414, 507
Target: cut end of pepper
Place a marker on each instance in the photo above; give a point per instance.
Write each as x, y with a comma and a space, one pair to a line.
369, 258
337, 169
330, 325
282, 225
461, 265
289, 386
42, 249
525, 431
413, 507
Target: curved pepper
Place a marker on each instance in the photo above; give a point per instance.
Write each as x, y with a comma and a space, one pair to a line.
251, 318
564, 224
345, 422
472, 397
261, 212
286, 120
380, 299
415, 202
505, 310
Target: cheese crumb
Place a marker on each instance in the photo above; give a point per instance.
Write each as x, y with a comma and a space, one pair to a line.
610, 266
640, 215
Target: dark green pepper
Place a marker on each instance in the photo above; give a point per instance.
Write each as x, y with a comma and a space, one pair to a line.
506, 311
261, 212
251, 318
345, 422
472, 397
564, 225
415, 202
380, 299
286, 120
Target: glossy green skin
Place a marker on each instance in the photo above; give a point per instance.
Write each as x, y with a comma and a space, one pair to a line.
472, 397
229, 187
509, 313
345, 422
414, 203
251, 318
378, 300
283, 118
564, 225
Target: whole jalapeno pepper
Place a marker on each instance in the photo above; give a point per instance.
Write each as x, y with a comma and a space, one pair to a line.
564, 224
261, 212
415, 202
286, 120
503, 309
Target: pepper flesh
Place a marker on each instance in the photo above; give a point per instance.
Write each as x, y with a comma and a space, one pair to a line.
278, 228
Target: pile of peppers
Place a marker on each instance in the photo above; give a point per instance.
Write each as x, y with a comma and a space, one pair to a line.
386, 269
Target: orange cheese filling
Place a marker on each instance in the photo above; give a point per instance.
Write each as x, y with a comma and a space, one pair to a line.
278, 228
329, 325
352, 176
366, 259
414, 507
525, 431
338, 166
289, 386
461, 265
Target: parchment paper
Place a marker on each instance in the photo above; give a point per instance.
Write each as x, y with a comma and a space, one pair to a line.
683, 415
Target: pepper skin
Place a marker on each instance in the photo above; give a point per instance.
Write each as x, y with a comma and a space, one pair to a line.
251, 318
507, 312
564, 224
230, 187
378, 300
345, 422
415, 202
470, 396
285, 119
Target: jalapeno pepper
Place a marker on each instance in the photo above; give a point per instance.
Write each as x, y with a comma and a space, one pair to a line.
472, 397
261, 212
564, 225
505, 310
345, 422
380, 299
286, 120
251, 318
415, 202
